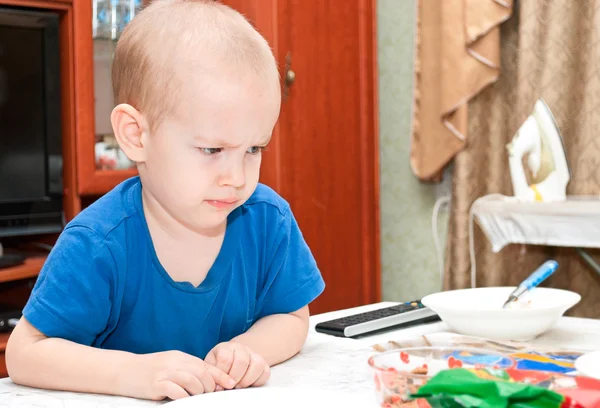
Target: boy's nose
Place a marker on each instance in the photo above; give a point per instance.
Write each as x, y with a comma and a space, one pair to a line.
234, 176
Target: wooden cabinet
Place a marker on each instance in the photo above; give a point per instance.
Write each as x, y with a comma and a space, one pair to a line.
324, 154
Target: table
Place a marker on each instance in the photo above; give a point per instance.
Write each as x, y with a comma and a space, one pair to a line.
325, 362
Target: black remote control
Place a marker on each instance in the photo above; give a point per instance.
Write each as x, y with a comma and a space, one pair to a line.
398, 316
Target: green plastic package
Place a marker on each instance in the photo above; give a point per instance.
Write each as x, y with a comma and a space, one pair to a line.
461, 388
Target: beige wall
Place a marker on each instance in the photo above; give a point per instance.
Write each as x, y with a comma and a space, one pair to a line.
409, 265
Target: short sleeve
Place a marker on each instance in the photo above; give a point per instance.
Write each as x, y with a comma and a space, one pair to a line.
293, 279
73, 294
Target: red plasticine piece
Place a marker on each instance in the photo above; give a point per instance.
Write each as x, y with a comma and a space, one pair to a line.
588, 383
395, 399
422, 403
454, 363
404, 357
528, 376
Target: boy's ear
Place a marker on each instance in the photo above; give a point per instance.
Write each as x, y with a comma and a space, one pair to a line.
129, 127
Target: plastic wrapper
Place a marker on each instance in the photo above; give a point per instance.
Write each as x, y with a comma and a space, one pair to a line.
462, 388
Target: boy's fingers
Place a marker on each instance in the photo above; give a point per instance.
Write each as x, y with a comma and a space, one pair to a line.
208, 382
262, 380
241, 360
188, 381
255, 370
210, 359
205, 370
224, 360
168, 389
221, 378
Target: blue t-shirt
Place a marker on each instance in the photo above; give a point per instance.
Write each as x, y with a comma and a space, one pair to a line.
103, 285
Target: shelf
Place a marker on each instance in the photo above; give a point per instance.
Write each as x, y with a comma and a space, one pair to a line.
3, 340
102, 181
29, 269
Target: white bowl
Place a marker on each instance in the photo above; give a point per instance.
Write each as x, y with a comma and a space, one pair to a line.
478, 312
589, 364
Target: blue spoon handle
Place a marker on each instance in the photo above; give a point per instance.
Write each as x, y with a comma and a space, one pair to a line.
537, 277
540, 274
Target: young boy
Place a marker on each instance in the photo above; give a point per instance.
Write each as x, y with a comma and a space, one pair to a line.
192, 277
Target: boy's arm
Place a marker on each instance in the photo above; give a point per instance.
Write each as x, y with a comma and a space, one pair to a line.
68, 309
289, 282
277, 337
35, 360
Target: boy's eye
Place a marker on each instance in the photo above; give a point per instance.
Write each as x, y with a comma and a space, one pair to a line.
255, 149
210, 150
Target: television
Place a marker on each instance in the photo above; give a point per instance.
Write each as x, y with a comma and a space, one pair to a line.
31, 187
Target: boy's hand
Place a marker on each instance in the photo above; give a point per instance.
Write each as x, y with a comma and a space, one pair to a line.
175, 375
247, 368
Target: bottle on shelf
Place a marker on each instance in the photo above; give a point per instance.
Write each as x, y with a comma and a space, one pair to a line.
109, 18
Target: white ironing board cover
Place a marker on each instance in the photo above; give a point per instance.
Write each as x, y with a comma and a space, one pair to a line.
574, 222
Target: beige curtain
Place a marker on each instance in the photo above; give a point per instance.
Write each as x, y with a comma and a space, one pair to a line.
550, 49
457, 55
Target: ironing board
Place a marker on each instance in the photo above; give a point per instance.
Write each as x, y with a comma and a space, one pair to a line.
505, 220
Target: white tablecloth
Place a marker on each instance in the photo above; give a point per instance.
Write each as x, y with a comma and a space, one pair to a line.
325, 362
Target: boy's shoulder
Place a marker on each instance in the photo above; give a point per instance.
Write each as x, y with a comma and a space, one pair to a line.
111, 210
264, 197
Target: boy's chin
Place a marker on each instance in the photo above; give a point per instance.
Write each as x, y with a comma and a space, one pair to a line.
211, 221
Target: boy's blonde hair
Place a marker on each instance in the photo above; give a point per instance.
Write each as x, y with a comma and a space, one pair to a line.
147, 69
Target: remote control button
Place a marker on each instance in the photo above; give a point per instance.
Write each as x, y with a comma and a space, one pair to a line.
403, 308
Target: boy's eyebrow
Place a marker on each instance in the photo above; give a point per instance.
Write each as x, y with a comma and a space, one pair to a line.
218, 142
210, 141
266, 141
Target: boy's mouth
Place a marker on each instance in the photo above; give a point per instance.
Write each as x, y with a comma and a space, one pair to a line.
223, 203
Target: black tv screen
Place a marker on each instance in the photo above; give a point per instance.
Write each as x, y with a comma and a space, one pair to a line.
30, 128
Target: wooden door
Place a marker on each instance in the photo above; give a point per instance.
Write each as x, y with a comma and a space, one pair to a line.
329, 141
324, 157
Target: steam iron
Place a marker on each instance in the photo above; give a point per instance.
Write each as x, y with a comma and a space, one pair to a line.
540, 139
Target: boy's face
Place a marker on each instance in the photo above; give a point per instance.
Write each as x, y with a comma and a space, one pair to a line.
204, 159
